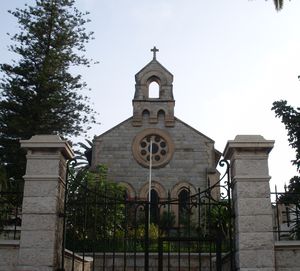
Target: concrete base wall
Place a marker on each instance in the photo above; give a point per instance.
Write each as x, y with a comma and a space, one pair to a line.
186, 261
287, 255
75, 261
9, 252
287, 258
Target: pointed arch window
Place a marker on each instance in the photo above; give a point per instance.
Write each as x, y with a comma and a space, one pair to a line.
184, 204
154, 210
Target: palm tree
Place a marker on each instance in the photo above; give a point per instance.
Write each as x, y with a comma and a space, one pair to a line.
278, 4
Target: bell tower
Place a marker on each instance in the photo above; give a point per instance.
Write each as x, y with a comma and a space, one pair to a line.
154, 107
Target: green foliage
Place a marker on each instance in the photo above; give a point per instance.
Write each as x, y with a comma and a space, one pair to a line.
292, 212
278, 4
292, 196
39, 95
291, 202
3, 178
100, 217
167, 221
220, 220
84, 155
95, 206
290, 117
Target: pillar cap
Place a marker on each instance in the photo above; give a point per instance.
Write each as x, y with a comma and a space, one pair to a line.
248, 143
48, 142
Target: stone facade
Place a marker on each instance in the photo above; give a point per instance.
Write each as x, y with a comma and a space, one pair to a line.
182, 156
193, 155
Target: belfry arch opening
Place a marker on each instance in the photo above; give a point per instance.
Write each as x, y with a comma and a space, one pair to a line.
154, 90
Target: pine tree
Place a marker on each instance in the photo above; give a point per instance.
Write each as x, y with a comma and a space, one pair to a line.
39, 95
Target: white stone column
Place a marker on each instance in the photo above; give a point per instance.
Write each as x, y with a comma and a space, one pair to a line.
248, 155
42, 225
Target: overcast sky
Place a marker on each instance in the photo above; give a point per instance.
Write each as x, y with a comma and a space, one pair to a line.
230, 60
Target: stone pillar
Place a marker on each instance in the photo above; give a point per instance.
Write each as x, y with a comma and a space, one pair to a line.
42, 224
248, 155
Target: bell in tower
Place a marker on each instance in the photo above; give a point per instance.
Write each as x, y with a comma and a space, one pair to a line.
160, 105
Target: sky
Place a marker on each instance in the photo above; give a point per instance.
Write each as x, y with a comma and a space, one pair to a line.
231, 59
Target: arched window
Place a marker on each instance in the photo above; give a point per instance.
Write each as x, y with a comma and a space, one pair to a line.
184, 202
154, 90
146, 115
161, 115
154, 211
126, 195
130, 192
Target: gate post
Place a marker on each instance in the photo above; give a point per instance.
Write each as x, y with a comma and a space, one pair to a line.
42, 223
254, 242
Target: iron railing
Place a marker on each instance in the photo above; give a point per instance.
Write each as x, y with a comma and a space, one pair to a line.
194, 232
11, 211
286, 209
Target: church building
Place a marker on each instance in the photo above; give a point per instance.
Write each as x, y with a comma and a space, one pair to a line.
183, 159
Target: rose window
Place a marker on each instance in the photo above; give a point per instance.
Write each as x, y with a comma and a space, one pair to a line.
162, 147
159, 148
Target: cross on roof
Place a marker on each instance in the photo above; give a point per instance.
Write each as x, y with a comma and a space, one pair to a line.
154, 50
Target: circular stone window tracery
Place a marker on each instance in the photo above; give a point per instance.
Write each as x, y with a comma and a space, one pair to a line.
162, 148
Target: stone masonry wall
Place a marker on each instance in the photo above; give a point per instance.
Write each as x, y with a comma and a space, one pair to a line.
9, 251
193, 155
287, 255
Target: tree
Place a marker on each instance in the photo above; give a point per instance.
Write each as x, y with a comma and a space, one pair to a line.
39, 95
290, 117
95, 209
84, 154
278, 4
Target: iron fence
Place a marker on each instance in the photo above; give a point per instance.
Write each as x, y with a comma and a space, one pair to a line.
103, 225
286, 209
11, 211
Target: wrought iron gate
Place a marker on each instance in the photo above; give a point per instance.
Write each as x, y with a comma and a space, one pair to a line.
107, 230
